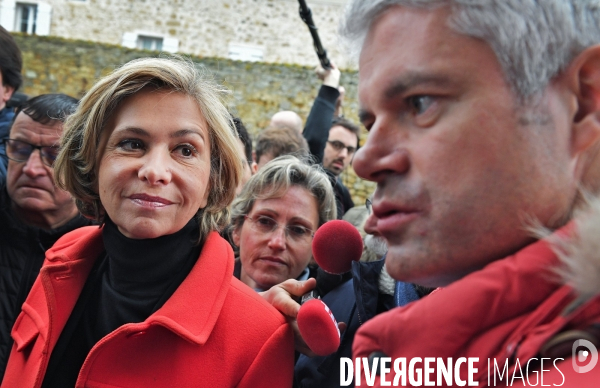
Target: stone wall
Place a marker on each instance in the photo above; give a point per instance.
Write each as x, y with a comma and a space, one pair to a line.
55, 65
203, 27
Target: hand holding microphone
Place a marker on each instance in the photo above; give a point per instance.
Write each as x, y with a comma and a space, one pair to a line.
336, 244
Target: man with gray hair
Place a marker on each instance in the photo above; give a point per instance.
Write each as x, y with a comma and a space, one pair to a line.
484, 131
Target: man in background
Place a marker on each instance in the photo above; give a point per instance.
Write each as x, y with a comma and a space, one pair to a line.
332, 140
341, 144
34, 213
287, 118
274, 142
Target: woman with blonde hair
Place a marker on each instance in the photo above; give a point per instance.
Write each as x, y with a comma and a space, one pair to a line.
274, 220
148, 299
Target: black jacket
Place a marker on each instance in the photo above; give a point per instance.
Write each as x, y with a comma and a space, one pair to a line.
318, 123
343, 199
316, 133
6, 116
22, 252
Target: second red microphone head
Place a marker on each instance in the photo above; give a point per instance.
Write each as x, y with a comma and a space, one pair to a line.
336, 244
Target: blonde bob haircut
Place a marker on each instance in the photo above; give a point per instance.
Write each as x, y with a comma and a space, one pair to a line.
276, 178
78, 160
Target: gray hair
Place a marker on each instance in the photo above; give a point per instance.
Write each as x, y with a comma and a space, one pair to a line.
276, 178
534, 40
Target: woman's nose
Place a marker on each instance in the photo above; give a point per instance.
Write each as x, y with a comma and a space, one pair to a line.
277, 239
155, 167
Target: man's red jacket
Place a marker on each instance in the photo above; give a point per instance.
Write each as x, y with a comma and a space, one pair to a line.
511, 311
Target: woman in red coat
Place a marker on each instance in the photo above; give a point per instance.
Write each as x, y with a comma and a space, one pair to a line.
148, 299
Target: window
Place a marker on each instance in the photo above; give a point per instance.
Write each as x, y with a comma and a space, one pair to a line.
241, 52
147, 40
25, 18
33, 17
149, 43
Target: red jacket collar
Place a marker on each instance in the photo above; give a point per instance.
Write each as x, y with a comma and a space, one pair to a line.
473, 316
192, 310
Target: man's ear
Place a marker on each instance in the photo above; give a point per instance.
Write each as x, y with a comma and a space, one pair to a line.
254, 165
7, 93
235, 234
584, 73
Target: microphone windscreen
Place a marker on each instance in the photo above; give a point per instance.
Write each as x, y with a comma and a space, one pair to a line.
318, 327
336, 244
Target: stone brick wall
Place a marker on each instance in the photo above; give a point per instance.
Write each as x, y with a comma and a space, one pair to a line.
55, 65
204, 27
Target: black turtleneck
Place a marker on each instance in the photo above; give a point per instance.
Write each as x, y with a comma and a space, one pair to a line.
128, 283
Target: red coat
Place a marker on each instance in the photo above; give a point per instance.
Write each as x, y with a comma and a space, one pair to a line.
506, 312
213, 332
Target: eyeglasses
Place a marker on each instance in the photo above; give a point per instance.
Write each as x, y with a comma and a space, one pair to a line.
266, 225
338, 146
20, 151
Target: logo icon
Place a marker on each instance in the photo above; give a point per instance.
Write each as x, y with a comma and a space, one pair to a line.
589, 355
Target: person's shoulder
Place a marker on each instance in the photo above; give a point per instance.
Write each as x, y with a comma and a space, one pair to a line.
76, 235
6, 116
343, 189
76, 243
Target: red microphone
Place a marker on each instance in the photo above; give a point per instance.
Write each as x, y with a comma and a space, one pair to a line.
336, 244
318, 327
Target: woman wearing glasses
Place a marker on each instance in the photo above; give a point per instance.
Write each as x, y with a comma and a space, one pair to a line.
148, 299
274, 220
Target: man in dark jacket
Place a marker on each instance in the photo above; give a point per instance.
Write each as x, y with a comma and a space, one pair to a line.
10, 81
34, 213
332, 140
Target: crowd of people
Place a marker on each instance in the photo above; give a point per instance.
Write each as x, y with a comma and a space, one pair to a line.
147, 241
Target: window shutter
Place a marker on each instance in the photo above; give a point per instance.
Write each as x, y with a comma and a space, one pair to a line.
129, 40
170, 45
44, 16
7, 14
